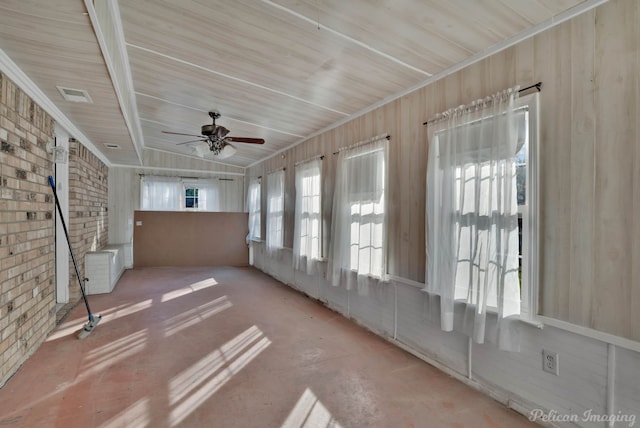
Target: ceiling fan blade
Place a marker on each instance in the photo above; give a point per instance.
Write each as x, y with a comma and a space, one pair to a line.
193, 141
245, 140
180, 133
221, 132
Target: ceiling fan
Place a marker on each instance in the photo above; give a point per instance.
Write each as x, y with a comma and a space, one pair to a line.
216, 138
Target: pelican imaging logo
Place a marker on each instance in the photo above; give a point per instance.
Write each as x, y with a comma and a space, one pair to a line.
587, 416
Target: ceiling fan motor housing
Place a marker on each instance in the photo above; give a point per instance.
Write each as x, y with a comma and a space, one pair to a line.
208, 129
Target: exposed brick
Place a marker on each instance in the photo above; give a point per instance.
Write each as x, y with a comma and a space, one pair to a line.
27, 235
21, 319
87, 199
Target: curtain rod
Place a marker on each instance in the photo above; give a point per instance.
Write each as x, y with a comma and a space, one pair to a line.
538, 86
309, 160
362, 143
277, 170
186, 178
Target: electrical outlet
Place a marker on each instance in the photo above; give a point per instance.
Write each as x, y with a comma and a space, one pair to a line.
550, 362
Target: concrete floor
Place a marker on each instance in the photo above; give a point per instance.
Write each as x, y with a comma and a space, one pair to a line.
230, 347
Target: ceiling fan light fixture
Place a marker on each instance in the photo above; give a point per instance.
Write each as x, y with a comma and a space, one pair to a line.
216, 146
227, 151
200, 149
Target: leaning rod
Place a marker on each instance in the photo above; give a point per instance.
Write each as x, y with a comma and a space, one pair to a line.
73, 257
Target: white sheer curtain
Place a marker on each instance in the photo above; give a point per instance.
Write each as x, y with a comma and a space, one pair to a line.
220, 194
230, 191
253, 208
208, 195
308, 216
161, 193
275, 210
472, 218
358, 230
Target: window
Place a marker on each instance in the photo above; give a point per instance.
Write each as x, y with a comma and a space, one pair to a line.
253, 207
358, 233
197, 194
191, 198
481, 196
367, 212
307, 246
275, 210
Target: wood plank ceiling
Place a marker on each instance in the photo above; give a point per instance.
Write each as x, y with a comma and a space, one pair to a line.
280, 70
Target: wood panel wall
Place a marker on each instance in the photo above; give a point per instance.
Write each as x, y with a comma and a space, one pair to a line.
590, 163
163, 238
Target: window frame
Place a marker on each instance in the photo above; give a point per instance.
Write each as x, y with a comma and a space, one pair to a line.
186, 187
256, 212
279, 242
530, 214
530, 285
320, 237
360, 197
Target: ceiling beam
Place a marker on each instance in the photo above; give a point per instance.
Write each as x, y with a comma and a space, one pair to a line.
347, 38
237, 79
114, 53
205, 111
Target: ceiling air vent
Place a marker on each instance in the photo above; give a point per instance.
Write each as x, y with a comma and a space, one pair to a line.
75, 95
111, 146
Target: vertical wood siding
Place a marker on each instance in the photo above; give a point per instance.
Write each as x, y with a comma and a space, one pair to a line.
589, 152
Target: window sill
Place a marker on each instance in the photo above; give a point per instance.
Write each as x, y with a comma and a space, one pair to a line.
406, 281
540, 321
609, 338
534, 322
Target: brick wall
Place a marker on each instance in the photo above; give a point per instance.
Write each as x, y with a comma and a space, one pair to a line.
88, 221
27, 262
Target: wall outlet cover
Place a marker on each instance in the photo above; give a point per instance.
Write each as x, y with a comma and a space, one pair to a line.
550, 362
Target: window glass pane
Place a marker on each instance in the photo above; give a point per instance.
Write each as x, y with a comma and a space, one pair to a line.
253, 206
275, 209
365, 191
191, 198
308, 210
521, 186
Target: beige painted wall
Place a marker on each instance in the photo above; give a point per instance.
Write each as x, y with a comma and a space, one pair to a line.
590, 163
